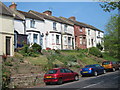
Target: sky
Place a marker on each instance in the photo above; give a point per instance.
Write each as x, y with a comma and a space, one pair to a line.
87, 12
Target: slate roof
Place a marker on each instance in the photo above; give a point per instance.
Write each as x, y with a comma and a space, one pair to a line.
49, 17
5, 10
81, 24
30, 15
18, 15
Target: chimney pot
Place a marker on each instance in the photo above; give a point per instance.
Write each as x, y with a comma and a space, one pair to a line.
13, 5
72, 18
48, 12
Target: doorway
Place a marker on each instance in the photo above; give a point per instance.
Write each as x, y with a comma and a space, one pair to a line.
8, 45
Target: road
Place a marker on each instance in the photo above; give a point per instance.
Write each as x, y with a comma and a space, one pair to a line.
108, 80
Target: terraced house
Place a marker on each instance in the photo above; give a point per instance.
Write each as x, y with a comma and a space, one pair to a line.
46, 30
58, 34
6, 31
20, 36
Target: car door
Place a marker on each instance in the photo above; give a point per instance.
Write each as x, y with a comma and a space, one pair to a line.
70, 74
99, 68
63, 74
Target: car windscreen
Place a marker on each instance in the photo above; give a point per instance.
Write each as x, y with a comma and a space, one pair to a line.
105, 63
51, 72
89, 66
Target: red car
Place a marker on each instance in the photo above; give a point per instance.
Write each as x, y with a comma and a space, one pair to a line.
59, 75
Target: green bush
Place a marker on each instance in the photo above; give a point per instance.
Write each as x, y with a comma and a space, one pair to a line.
99, 46
36, 48
95, 51
33, 51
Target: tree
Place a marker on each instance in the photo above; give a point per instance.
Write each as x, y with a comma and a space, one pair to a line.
109, 6
111, 39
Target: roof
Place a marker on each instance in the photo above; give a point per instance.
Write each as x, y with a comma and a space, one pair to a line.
30, 15
18, 15
80, 23
49, 17
5, 10
72, 21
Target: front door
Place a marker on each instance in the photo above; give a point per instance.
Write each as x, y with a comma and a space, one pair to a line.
8, 45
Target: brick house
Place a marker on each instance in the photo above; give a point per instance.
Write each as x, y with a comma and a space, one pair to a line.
79, 33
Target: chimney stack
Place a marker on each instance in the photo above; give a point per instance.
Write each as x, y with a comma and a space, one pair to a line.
13, 6
72, 18
48, 12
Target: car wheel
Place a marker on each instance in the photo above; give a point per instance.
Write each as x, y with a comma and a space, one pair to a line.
104, 71
95, 73
60, 81
113, 69
76, 78
119, 68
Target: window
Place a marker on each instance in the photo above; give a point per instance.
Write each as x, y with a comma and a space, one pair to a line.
88, 32
98, 33
29, 38
65, 40
69, 40
68, 71
89, 41
80, 40
52, 38
32, 23
62, 70
80, 29
35, 37
52, 72
65, 27
54, 25
57, 39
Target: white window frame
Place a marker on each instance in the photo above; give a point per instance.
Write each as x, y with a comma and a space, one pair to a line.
32, 23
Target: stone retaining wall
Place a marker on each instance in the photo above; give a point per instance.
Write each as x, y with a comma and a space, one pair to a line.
28, 80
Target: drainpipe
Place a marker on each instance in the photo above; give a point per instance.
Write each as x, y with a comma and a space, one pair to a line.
24, 23
61, 38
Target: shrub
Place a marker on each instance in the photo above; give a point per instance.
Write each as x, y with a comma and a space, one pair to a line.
99, 46
36, 48
95, 51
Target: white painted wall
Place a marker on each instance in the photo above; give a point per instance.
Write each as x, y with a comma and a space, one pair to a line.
19, 26
101, 35
6, 29
90, 37
39, 26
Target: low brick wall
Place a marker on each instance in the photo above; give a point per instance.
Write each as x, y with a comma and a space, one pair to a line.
28, 80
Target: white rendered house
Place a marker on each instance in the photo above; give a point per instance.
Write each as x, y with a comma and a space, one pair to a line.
55, 31
34, 25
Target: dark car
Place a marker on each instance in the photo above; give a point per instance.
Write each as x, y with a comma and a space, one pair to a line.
60, 75
111, 65
93, 69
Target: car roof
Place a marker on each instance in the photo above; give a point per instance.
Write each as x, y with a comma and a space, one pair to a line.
56, 68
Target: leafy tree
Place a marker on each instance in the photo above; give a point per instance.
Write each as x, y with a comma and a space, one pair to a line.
111, 39
109, 6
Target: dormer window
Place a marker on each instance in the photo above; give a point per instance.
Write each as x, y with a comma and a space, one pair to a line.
54, 25
80, 29
32, 23
65, 27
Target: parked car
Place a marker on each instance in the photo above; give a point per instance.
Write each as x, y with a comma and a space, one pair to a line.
111, 65
93, 69
60, 75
